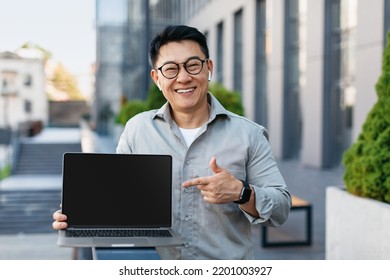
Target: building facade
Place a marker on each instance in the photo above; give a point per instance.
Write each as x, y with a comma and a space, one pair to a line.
22, 97
123, 30
305, 69
22, 90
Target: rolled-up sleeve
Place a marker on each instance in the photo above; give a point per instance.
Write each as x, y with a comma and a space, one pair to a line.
273, 200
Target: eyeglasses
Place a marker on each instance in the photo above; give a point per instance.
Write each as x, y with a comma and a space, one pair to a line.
193, 66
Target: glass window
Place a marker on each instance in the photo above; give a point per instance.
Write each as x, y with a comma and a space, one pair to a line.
111, 12
28, 80
387, 20
9, 82
220, 50
206, 34
261, 64
339, 90
238, 50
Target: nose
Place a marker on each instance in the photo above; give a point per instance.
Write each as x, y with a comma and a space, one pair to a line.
183, 76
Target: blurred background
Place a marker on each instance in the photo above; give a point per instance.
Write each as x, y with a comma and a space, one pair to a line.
304, 69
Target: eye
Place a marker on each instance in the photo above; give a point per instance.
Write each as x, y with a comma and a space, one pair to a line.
170, 68
193, 64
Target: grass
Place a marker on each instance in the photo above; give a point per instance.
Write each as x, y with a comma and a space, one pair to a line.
5, 172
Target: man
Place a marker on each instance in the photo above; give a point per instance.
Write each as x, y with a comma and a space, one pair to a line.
225, 177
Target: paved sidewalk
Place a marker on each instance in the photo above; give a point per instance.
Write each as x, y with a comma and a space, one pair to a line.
309, 184
31, 182
32, 247
304, 182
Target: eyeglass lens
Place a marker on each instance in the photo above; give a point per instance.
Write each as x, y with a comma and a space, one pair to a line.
192, 66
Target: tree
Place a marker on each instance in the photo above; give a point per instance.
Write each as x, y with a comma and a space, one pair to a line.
63, 81
367, 161
30, 46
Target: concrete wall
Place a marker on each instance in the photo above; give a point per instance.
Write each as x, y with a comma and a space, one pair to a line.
275, 76
356, 228
369, 48
312, 92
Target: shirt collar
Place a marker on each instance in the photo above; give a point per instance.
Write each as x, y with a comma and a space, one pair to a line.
216, 110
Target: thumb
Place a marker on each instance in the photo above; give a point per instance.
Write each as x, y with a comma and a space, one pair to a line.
214, 166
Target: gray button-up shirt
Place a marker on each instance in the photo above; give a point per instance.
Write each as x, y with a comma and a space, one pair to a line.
212, 231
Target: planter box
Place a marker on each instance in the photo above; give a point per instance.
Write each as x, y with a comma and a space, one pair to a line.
356, 228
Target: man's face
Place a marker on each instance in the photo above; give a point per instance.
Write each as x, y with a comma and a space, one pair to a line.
186, 93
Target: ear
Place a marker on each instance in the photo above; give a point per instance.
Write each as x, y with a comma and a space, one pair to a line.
210, 66
154, 75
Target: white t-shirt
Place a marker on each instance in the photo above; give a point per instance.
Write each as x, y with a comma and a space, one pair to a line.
189, 134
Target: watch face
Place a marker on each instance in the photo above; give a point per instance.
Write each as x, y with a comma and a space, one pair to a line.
245, 193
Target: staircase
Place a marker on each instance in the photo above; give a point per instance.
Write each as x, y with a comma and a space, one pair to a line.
28, 211
42, 158
28, 207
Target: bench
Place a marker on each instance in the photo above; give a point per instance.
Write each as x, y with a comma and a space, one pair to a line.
298, 204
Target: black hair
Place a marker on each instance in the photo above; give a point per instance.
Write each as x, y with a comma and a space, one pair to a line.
176, 33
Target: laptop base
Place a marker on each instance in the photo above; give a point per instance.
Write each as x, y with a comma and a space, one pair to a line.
118, 242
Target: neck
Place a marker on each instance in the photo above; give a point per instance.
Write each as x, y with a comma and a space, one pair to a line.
191, 119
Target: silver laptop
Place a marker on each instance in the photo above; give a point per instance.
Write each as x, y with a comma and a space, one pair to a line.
117, 200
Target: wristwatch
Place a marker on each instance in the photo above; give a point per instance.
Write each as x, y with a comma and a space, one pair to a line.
245, 193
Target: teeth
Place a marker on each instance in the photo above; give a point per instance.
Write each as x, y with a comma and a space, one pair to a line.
185, 90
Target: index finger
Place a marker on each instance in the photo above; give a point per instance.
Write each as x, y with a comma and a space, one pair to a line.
195, 182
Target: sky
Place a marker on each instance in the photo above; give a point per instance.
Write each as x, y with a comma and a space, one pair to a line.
66, 28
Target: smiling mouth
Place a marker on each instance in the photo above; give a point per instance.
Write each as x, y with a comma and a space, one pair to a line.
183, 91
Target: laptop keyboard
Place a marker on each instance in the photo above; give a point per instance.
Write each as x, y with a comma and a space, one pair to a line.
118, 233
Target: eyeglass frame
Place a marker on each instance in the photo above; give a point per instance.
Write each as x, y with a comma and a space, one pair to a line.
184, 65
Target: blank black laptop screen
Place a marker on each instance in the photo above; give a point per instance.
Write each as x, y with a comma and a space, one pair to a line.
117, 190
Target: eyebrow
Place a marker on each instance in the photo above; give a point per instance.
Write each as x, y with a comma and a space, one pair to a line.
191, 57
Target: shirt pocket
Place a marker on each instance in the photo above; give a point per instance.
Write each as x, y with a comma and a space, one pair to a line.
228, 209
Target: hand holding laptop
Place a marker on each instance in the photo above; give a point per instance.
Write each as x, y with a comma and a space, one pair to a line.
59, 220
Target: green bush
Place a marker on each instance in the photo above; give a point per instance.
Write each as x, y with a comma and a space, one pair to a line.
130, 109
229, 99
367, 161
155, 97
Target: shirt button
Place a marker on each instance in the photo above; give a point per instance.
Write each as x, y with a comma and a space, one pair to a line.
187, 162
187, 245
187, 190
187, 218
